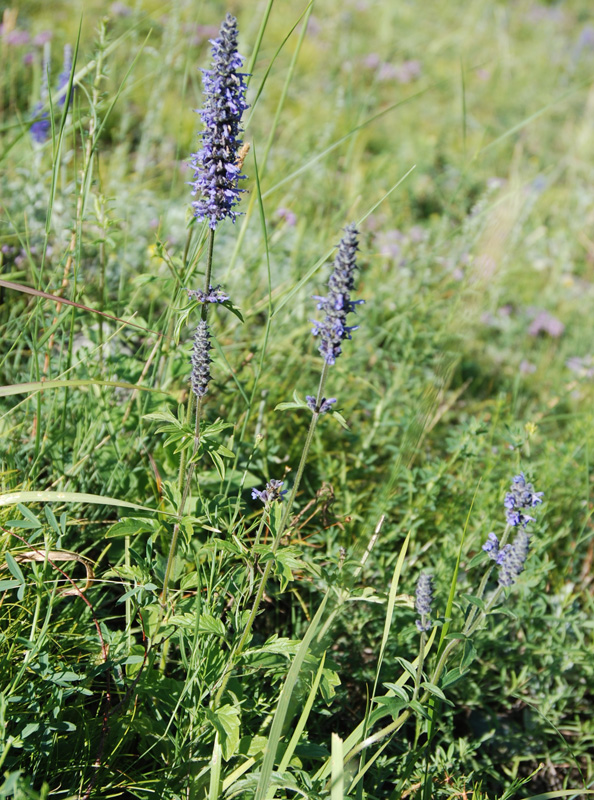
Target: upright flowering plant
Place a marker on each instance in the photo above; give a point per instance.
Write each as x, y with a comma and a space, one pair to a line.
216, 168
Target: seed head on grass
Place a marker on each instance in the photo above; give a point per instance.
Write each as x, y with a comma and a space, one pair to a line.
337, 304
216, 168
201, 361
424, 595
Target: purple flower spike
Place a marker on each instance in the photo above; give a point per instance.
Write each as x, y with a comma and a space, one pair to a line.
272, 492
201, 376
512, 563
325, 405
520, 497
216, 166
332, 330
424, 601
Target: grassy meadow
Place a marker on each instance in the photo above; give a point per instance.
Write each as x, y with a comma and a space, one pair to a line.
169, 630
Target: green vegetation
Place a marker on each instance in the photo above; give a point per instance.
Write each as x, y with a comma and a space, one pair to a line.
273, 651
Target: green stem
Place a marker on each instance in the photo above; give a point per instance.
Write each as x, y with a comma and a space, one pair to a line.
483, 584
277, 539
420, 666
186, 473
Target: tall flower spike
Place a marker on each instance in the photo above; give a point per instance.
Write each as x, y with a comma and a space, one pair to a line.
424, 595
201, 361
337, 304
216, 168
40, 128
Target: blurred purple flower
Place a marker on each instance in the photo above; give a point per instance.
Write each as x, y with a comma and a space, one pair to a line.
17, 37
372, 61
287, 215
544, 322
583, 366
201, 33
527, 367
389, 243
120, 9
42, 38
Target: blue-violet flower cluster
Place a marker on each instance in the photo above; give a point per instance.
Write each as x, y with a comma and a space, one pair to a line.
272, 492
520, 497
511, 557
325, 405
337, 304
216, 168
214, 295
201, 376
424, 597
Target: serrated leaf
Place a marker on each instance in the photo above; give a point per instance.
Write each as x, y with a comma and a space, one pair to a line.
209, 624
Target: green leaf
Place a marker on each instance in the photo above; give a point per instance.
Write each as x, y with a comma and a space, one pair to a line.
29, 515
475, 601
209, 624
451, 677
163, 416
469, 655
340, 419
8, 584
433, 689
14, 568
227, 721
12, 498
410, 668
398, 690
131, 526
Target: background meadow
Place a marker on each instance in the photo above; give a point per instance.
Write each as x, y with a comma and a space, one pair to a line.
459, 140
